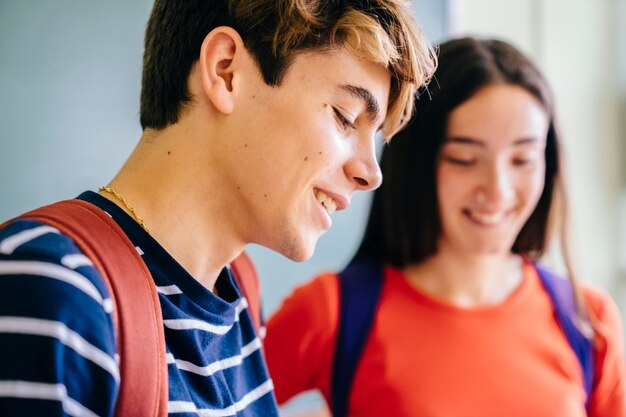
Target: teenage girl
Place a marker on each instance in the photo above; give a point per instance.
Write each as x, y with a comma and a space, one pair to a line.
464, 325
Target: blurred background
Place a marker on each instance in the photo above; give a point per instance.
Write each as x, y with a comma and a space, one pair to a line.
70, 74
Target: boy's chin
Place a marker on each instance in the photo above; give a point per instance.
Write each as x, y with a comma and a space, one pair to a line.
300, 251
299, 255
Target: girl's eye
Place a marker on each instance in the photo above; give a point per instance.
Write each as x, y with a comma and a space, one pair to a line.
459, 161
345, 123
523, 161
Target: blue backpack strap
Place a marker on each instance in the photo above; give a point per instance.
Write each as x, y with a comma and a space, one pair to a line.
562, 295
360, 286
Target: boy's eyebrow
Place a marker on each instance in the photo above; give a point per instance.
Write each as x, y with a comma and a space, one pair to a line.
371, 104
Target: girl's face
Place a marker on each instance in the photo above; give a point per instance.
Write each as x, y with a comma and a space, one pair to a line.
491, 169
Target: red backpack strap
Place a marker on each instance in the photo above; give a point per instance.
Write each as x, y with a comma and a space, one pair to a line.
248, 281
137, 312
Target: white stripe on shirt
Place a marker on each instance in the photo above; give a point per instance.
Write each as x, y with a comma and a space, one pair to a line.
216, 366
169, 290
8, 245
249, 398
189, 324
54, 271
40, 391
243, 304
58, 330
76, 260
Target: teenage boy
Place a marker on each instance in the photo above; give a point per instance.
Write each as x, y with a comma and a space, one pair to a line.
259, 118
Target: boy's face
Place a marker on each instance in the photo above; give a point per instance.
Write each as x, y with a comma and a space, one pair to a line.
299, 151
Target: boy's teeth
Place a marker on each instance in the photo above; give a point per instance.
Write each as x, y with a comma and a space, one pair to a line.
330, 205
326, 201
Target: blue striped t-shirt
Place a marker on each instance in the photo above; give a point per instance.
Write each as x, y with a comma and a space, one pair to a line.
57, 341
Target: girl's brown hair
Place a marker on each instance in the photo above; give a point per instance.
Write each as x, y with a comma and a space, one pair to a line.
404, 224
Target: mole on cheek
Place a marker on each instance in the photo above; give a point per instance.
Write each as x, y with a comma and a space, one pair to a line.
306, 158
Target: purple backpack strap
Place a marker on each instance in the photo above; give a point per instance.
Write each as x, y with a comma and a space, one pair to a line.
360, 285
563, 300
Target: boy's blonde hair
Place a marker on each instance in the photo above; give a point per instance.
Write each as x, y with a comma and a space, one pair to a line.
274, 32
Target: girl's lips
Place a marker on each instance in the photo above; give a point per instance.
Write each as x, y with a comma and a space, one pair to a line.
487, 219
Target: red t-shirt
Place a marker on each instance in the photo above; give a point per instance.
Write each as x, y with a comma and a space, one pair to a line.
428, 358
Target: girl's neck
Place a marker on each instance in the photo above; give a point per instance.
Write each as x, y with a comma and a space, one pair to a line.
468, 280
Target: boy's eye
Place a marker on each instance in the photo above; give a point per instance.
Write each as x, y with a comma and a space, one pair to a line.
345, 123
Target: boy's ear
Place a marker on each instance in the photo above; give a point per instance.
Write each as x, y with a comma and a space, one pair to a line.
218, 62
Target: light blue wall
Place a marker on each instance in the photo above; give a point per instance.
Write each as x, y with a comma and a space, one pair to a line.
69, 99
69, 87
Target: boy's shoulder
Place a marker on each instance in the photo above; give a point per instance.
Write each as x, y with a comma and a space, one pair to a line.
56, 325
33, 248
48, 283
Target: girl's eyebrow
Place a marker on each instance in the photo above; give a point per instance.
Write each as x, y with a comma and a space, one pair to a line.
466, 141
476, 142
524, 141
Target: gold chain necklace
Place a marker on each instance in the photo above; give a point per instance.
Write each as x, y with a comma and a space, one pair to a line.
111, 191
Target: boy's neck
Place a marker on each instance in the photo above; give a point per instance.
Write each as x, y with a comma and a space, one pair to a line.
167, 183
